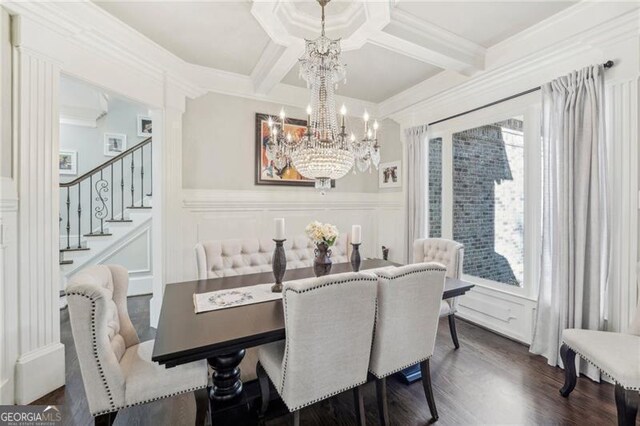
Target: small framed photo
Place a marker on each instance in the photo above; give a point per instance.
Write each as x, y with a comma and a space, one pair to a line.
390, 175
114, 144
144, 126
68, 162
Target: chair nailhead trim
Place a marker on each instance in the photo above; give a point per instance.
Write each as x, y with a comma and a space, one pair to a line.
150, 400
401, 368
388, 277
606, 373
286, 354
95, 347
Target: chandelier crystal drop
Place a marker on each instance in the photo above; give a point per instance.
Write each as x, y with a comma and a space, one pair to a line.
326, 151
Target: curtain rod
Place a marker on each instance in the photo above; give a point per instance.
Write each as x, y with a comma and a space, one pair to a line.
606, 65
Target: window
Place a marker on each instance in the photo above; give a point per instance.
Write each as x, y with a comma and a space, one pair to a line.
435, 188
488, 199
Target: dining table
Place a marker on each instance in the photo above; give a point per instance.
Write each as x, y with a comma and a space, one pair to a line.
222, 336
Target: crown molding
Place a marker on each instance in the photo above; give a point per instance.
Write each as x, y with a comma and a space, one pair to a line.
530, 67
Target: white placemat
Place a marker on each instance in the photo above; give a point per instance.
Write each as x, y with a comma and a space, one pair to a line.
230, 298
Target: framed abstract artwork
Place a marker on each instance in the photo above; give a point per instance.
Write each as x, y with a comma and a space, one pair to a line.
277, 171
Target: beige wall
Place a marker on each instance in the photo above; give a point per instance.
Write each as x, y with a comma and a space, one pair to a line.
219, 145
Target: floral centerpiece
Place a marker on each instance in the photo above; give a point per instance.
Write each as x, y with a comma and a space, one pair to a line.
323, 235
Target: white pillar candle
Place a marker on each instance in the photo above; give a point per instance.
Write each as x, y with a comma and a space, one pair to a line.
356, 234
279, 228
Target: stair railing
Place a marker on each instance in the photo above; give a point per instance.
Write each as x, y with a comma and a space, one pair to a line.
102, 190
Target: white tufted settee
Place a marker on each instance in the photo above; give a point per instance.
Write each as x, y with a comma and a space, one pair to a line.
223, 258
450, 254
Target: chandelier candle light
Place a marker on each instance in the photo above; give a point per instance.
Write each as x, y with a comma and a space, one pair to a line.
326, 151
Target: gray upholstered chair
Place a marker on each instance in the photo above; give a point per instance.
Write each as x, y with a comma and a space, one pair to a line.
406, 326
451, 254
617, 355
329, 325
116, 367
223, 258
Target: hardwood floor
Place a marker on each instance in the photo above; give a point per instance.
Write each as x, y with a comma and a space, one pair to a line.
489, 380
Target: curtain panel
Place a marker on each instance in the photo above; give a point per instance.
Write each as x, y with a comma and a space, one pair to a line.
417, 185
575, 248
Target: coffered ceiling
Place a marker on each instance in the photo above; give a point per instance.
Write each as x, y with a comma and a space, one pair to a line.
389, 46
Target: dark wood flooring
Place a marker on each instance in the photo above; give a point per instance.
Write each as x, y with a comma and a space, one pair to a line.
489, 380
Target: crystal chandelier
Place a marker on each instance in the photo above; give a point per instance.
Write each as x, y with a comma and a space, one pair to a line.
326, 151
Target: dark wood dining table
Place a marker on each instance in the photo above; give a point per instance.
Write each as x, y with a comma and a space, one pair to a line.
221, 336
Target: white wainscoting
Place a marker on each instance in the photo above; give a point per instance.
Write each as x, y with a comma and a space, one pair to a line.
506, 313
214, 214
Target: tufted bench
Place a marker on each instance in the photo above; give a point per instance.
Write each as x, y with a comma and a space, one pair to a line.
224, 258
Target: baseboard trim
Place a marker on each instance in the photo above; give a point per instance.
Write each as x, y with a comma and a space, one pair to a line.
140, 285
6, 392
39, 372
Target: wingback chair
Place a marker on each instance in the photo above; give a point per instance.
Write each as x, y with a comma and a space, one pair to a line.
223, 258
329, 325
449, 253
617, 355
406, 326
116, 367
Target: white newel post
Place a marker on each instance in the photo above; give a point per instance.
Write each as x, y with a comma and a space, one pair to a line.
167, 228
40, 366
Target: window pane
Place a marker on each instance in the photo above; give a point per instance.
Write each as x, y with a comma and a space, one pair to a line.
488, 200
435, 188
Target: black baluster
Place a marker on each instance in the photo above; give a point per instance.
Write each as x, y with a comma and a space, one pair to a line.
100, 196
151, 172
122, 188
142, 176
90, 205
79, 216
112, 191
68, 221
132, 167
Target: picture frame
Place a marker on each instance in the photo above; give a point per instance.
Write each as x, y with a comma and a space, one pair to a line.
390, 175
145, 126
68, 162
266, 172
114, 144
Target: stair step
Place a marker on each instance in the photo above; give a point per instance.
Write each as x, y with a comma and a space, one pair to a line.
139, 207
118, 220
75, 249
66, 262
98, 234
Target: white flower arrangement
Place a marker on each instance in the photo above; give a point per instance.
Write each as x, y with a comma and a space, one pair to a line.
322, 233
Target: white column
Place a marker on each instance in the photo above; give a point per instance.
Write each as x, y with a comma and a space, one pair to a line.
40, 366
167, 192
622, 138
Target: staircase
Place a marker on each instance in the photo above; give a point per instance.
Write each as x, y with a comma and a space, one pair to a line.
103, 209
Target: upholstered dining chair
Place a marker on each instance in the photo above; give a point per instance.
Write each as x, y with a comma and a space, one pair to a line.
224, 258
617, 355
116, 367
329, 326
406, 326
449, 253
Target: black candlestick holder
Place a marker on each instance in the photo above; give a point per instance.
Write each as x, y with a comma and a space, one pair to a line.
355, 257
279, 264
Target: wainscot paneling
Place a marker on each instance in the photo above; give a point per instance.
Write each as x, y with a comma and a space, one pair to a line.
508, 314
247, 214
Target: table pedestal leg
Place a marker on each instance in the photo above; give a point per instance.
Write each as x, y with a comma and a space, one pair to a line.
226, 376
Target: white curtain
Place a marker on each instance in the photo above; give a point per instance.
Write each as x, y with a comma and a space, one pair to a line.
417, 184
575, 251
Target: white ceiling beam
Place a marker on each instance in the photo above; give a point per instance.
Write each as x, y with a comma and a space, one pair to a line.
275, 63
430, 43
